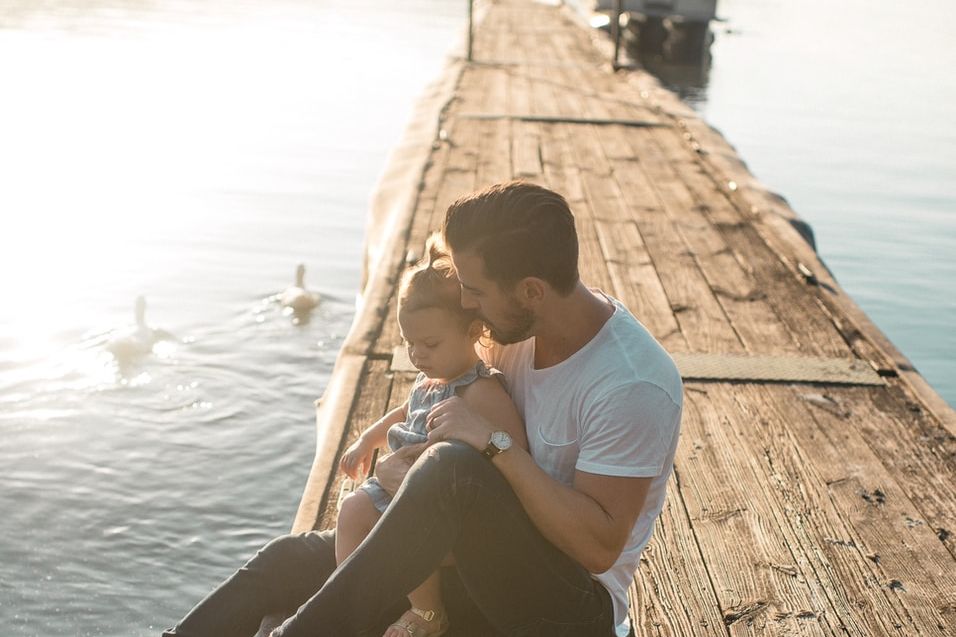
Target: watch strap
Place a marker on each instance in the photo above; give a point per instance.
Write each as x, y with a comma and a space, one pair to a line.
491, 450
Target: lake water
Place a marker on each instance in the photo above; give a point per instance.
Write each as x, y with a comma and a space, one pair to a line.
846, 108
194, 153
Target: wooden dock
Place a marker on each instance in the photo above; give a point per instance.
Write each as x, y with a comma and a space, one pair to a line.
796, 508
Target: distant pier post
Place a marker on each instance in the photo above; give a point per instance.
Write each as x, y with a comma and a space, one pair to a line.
471, 25
616, 31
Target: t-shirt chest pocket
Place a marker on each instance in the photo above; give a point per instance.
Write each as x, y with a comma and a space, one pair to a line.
553, 436
555, 449
552, 419
557, 433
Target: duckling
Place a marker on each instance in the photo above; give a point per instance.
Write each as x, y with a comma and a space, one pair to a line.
297, 296
136, 340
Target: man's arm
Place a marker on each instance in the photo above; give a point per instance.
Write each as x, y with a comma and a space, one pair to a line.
589, 521
487, 398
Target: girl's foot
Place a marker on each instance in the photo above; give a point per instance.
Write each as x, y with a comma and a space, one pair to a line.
419, 623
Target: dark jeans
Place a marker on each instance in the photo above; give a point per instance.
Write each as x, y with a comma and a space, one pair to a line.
452, 501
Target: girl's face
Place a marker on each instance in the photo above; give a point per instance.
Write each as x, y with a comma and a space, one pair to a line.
437, 344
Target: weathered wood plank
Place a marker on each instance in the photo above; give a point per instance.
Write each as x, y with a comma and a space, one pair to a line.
636, 281
370, 405
913, 445
761, 584
497, 98
494, 153
388, 338
800, 313
542, 95
567, 97
673, 594
526, 150
519, 87
587, 150
809, 520
470, 97
461, 171
401, 386
592, 266
741, 297
560, 169
690, 297
696, 307
851, 509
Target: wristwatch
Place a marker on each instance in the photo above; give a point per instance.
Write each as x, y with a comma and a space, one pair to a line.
500, 441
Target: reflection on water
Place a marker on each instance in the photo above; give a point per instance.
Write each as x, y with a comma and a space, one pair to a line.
192, 153
844, 109
689, 80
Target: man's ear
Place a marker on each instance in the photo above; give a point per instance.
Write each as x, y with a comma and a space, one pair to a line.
532, 290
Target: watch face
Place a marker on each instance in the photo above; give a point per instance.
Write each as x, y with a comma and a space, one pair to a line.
501, 439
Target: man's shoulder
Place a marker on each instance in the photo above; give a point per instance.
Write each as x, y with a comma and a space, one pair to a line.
631, 355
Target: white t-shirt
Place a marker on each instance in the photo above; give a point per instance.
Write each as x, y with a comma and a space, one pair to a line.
612, 408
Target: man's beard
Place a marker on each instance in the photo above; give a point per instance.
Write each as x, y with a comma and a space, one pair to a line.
520, 321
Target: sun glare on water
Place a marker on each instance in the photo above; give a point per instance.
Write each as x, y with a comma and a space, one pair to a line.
109, 159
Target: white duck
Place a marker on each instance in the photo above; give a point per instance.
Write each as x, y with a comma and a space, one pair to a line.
136, 340
297, 296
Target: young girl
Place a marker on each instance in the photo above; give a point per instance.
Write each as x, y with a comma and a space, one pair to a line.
440, 336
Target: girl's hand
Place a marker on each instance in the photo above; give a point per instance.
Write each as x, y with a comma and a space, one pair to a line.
357, 459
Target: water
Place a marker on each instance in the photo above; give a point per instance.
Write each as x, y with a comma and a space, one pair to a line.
846, 109
195, 152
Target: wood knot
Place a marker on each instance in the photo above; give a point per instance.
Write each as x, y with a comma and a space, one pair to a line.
877, 497
786, 569
745, 612
850, 544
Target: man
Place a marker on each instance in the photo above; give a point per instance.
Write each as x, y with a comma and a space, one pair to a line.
545, 542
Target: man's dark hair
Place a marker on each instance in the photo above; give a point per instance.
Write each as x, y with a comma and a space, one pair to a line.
519, 230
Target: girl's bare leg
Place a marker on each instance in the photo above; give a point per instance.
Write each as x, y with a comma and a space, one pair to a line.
356, 518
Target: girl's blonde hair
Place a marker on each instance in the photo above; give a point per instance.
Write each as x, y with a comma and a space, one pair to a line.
432, 282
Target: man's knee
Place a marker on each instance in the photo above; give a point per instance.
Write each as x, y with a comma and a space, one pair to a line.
452, 461
291, 568
293, 552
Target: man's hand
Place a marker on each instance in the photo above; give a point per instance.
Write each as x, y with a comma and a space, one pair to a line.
453, 419
391, 469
